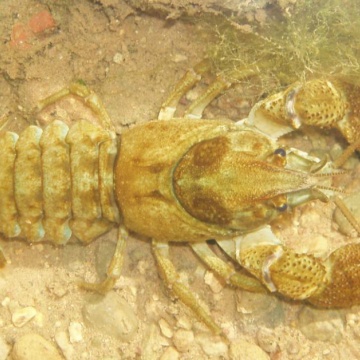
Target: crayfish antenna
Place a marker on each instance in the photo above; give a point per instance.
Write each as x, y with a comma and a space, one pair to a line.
347, 153
347, 213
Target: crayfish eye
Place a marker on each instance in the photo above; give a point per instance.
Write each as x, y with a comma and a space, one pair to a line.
282, 207
280, 152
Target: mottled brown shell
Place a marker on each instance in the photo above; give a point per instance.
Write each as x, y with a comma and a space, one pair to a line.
200, 180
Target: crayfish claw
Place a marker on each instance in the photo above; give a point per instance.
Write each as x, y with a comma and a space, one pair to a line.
343, 288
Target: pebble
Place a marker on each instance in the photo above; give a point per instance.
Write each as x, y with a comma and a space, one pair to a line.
112, 315
211, 346
165, 328
267, 340
320, 325
64, 344
58, 289
170, 354
75, 332
180, 58
183, 340
34, 347
5, 302
353, 322
318, 246
22, 316
151, 347
214, 284
243, 350
39, 320
183, 322
118, 58
263, 307
4, 349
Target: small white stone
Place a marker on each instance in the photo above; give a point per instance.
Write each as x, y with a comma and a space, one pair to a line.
133, 290
183, 340
213, 282
179, 58
22, 316
192, 94
184, 322
4, 349
142, 267
57, 289
241, 349
118, 58
165, 328
318, 246
38, 247
63, 342
212, 347
39, 319
267, 340
230, 330
5, 302
75, 332
170, 354
151, 343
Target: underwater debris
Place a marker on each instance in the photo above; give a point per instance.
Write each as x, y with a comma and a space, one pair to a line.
310, 39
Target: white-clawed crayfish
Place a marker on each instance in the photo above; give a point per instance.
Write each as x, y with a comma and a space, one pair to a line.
186, 180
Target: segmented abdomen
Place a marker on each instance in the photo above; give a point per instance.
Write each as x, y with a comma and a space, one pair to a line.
58, 182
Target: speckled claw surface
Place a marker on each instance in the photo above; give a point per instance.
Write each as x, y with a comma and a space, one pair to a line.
330, 283
324, 103
343, 279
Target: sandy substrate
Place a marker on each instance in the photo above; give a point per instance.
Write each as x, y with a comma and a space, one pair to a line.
131, 59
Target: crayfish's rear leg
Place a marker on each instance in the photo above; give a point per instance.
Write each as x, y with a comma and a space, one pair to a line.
171, 278
87, 96
114, 269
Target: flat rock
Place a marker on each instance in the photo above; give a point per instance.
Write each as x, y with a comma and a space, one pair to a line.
34, 347
112, 315
243, 350
321, 325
